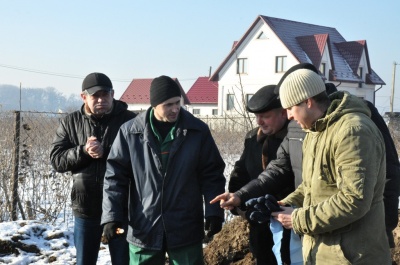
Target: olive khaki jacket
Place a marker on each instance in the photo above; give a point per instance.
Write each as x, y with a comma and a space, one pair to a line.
340, 200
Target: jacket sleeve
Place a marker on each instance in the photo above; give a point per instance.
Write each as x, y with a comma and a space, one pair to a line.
212, 175
117, 181
65, 154
277, 179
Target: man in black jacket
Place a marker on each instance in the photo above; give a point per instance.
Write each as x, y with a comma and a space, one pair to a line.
260, 148
166, 164
81, 145
279, 173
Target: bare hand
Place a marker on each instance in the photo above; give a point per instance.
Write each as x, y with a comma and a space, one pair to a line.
284, 217
93, 147
227, 200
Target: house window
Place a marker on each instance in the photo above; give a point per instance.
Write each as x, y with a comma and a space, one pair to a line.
215, 112
322, 68
360, 72
230, 102
262, 36
196, 111
248, 97
241, 66
280, 64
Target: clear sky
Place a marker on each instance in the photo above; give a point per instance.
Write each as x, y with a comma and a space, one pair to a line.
56, 44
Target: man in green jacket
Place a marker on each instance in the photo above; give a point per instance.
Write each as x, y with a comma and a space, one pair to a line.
339, 205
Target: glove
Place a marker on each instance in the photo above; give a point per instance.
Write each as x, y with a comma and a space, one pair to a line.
112, 230
260, 209
272, 203
259, 217
250, 204
213, 225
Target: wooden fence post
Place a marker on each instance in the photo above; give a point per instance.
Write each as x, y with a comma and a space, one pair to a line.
14, 192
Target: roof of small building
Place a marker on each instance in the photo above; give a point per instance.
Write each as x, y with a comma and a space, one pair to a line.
203, 91
138, 92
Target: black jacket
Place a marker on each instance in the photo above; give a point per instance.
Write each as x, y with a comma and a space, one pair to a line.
392, 187
68, 154
169, 204
250, 165
282, 173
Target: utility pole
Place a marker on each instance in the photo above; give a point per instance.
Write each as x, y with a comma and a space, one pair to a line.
393, 82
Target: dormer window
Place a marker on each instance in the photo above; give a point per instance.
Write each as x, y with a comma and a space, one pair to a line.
322, 69
360, 72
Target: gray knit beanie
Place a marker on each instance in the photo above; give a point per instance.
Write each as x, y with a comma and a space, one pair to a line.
299, 86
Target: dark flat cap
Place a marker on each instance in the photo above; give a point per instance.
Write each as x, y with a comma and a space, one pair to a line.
330, 88
294, 68
263, 100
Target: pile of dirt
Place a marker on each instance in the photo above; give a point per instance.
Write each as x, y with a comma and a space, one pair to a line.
231, 245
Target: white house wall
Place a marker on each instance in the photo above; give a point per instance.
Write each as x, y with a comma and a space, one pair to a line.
261, 56
143, 107
138, 107
205, 109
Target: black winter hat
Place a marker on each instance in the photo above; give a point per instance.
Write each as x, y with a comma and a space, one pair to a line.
264, 100
294, 68
95, 82
163, 88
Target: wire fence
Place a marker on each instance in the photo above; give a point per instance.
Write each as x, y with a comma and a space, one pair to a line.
31, 189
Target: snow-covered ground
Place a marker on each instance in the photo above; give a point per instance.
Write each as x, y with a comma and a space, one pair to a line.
42, 243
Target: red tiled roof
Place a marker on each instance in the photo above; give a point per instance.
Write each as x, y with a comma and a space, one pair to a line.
352, 52
138, 92
203, 91
314, 46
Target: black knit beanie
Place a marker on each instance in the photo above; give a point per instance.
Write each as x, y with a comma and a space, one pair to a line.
163, 88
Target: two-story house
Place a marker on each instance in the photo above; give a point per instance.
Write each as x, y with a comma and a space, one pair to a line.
272, 45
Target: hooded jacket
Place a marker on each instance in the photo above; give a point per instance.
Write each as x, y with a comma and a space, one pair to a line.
68, 154
341, 212
163, 206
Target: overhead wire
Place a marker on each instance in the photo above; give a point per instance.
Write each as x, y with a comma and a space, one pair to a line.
67, 75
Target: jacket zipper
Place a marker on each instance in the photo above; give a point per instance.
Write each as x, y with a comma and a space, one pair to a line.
298, 139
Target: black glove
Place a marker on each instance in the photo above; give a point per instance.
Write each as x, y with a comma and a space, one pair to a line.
213, 225
250, 210
260, 209
110, 230
272, 203
259, 217
250, 203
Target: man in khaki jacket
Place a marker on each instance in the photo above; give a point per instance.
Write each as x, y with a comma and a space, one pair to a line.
339, 205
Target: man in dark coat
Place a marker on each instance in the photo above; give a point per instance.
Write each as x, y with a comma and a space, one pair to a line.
81, 145
165, 163
260, 148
